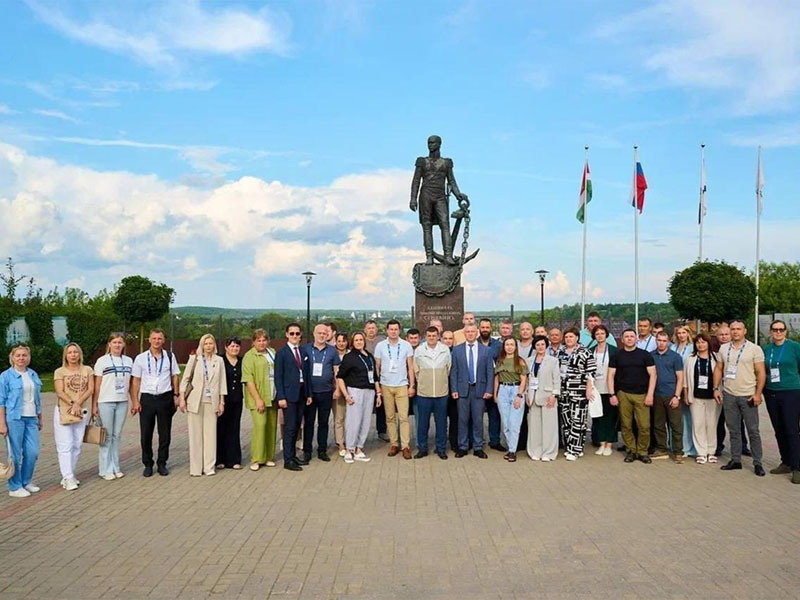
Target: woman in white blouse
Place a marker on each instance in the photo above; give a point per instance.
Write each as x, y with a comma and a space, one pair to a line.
205, 402
683, 344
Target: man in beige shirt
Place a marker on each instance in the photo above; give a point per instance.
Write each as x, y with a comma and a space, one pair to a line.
458, 334
739, 379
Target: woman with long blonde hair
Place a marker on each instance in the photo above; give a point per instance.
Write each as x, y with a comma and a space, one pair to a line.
110, 401
204, 402
74, 383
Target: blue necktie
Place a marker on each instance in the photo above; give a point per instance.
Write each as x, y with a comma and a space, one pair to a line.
471, 365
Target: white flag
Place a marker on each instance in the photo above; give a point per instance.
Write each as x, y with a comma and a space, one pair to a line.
759, 183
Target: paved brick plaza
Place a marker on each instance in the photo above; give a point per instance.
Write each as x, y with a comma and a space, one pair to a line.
403, 529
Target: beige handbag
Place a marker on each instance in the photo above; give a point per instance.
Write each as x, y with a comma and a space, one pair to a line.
64, 416
95, 433
7, 468
189, 385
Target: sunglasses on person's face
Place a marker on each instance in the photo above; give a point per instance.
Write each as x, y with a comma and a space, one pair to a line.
294, 333
778, 329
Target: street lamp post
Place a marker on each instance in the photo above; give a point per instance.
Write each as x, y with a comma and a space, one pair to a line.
542, 274
172, 317
308, 275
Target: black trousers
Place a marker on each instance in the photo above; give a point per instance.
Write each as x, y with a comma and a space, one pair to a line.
320, 409
292, 417
229, 443
380, 419
522, 444
784, 413
156, 410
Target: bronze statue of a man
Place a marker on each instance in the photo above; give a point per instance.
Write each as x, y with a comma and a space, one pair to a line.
432, 175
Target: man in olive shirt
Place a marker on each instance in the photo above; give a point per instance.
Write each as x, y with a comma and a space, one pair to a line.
632, 384
739, 379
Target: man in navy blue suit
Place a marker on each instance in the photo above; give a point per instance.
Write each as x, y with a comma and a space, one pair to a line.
486, 340
471, 383
293, 392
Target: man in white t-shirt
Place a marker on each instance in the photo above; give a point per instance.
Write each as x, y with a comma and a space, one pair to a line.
154, 391
394, 364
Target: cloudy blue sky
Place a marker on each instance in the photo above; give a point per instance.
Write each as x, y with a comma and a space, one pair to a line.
224, 148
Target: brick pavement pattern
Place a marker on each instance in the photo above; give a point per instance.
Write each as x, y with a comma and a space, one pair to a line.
395, 528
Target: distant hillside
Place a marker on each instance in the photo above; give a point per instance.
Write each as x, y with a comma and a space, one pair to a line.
253, 313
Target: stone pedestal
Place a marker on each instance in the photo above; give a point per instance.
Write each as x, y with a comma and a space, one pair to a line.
449, 308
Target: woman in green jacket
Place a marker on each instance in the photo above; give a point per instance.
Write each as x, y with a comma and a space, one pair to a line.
257, 368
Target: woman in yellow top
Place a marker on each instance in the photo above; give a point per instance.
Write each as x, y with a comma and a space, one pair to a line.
258, 373
510, 383
74, 383
205, 403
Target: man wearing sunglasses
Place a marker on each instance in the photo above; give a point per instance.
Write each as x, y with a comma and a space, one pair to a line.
782, 394
293, 392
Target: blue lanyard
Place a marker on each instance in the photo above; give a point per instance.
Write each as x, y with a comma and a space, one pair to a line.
121, 367
389, 350
205, 368
728, 360
366, 365
324, 352
603, 361
160, 364
780, 354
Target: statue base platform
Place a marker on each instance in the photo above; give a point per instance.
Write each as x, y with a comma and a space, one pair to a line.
449, 308
436, 279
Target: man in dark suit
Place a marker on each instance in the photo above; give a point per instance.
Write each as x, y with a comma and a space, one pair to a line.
293, 392
471, 384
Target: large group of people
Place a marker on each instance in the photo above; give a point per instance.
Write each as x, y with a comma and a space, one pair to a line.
667, 397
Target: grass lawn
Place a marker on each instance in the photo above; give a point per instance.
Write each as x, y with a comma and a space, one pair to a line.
47, 382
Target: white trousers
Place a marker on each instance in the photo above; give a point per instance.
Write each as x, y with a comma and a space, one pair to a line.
202, 439
543, 432
705, 414
68, 443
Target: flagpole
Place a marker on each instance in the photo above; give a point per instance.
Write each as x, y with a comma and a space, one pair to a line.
701, 209
635, 239
585, 214
758, 235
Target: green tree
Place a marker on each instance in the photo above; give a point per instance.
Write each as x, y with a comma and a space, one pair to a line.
712, 292
138, 300
779, 287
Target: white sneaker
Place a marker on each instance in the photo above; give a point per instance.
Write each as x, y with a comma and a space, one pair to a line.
110, 477
547, 459
607, 451
570, 457
361, 457
33, 488
342, 452
581, 454
270, 463
63, 481
119, 475
536, 458
599, 451
71, 484
19, 493
348, 458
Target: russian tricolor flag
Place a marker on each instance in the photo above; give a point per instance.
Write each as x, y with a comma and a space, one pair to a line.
639, 184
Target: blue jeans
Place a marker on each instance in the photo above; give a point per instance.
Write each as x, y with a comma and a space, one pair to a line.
23, 433
688, 441
438, 406
112, 416
510, 417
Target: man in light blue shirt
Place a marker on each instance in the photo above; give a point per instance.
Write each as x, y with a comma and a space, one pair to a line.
646, 340
394, 363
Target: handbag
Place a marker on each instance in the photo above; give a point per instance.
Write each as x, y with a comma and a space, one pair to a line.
95, 432
64, 416
595, 403
7, 468
189, 386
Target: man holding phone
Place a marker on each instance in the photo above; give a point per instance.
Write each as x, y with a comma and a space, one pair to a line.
739, 379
